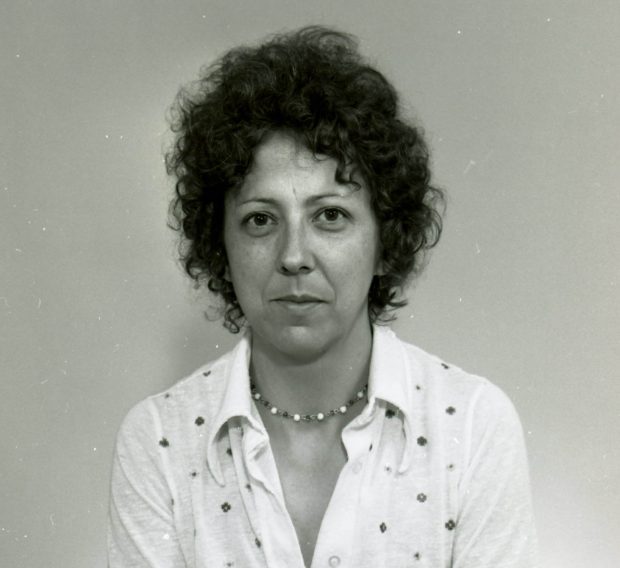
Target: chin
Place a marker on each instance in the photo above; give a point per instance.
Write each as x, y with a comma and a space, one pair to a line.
301, 343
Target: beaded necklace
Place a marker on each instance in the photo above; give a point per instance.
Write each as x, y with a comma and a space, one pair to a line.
297, 417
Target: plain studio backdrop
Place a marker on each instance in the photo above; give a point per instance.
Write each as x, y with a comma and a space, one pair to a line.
520, 104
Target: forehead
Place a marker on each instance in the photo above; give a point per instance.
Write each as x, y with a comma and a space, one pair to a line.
282, 162
280, 149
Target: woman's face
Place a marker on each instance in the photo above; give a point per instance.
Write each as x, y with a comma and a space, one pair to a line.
302, 250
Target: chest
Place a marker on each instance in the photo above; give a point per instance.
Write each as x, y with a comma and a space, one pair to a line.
308, 478
358, 511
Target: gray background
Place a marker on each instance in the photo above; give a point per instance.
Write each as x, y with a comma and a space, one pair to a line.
520, 103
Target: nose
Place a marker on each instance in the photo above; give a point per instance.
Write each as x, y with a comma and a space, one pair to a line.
295, 251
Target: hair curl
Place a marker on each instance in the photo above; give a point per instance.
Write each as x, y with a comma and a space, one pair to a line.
314, 83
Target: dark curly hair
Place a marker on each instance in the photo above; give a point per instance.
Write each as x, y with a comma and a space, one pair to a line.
313, 83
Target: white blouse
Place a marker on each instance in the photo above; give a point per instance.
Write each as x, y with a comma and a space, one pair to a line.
436, 474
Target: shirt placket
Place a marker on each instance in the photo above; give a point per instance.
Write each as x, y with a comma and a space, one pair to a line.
271, 518
336, 540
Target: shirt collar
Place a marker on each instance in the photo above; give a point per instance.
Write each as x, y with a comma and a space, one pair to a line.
236, 400
389, 381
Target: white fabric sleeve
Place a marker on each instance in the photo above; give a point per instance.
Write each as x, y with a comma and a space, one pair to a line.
141, 528
495, 525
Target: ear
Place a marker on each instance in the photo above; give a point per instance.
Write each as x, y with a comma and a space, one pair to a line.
380, 268
221, 255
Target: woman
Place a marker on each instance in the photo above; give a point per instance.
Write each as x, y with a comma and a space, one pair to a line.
304, 202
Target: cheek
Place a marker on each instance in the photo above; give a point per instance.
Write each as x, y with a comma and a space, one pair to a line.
368, 249
238, 252
248, 266
356, 263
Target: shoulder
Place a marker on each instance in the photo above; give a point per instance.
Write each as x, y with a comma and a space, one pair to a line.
467, 418
476, 401
191, 401
477, 450
431, 373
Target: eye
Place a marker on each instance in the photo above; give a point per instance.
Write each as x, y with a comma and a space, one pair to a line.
258, 223
331, 218
258, 219
332, 214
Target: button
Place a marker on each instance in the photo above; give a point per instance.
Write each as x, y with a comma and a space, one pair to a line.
334, 561
357, 467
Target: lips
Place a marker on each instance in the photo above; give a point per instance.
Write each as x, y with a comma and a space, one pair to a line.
299, 299
299, 305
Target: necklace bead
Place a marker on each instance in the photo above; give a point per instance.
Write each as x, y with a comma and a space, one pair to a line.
319, 416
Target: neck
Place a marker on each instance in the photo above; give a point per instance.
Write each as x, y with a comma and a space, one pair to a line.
313, 385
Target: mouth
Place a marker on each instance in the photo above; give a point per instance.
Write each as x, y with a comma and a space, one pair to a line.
299, 299
301, 305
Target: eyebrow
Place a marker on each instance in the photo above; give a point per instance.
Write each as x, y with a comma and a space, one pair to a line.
309, 201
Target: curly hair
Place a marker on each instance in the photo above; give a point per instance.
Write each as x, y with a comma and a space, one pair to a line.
313, 83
